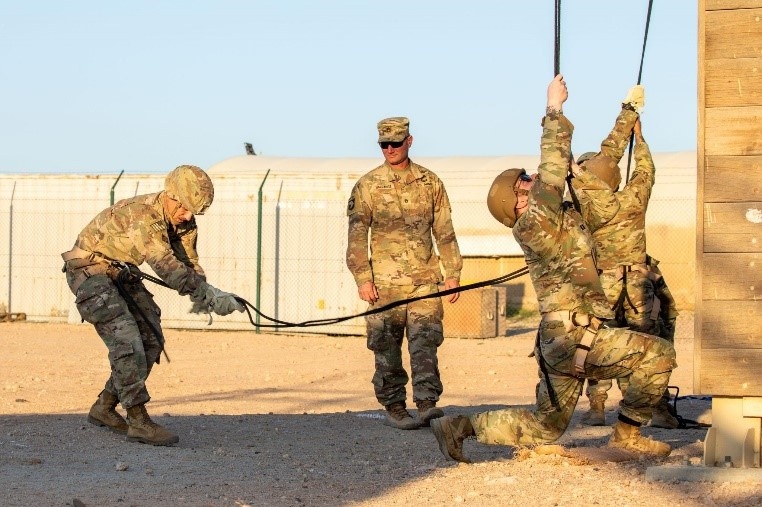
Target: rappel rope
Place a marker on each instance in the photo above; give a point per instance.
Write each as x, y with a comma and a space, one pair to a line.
134, 271
640, 75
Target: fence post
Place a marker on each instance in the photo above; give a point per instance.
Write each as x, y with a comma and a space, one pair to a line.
259, 246
114, 185
10, 251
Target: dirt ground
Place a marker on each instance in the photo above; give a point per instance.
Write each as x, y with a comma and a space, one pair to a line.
291, 420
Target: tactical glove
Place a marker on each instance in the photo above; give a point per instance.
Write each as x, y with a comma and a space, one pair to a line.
220, 302
636, 98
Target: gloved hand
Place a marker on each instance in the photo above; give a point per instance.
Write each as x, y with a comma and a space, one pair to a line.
220, 302
636, 97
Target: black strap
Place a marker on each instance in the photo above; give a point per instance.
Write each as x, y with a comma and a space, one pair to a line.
544, 370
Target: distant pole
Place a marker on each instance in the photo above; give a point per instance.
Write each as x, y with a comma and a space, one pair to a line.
10, 251
114, 185
259, 246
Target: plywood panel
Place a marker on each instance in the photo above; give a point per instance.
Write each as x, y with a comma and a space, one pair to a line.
733, 130
733, 34
733, 179
731, 277
731, 372
731, 325
733, 82
713, 5
733, 227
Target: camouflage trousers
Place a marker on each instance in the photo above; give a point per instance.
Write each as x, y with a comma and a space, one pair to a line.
647, 360
649, 308
132, 346
422, 320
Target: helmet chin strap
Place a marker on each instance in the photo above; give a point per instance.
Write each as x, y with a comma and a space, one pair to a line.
176, 207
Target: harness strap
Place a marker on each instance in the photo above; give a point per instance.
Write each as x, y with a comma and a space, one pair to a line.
572, 320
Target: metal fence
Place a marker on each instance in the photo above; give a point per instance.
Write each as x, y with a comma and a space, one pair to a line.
292, 265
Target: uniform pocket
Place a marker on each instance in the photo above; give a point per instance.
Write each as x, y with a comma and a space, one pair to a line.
97, 301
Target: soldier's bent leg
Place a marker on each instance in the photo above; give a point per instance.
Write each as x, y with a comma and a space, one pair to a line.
520, 426
648, 359
99, 303
385, 334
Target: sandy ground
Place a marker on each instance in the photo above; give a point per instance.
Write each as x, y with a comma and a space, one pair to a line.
289, 420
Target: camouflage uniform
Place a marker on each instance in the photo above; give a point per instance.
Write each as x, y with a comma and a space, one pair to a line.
132, 231
401, 211
558, 249
620, 242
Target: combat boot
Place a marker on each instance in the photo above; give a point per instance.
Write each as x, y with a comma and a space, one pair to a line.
103, 413
628, 437
451, 432
142, 429
596, 416
427, 410
662, 416
398, 417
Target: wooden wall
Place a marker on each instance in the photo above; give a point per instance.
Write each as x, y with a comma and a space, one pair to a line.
728, 351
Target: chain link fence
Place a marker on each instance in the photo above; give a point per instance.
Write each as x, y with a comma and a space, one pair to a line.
288, 261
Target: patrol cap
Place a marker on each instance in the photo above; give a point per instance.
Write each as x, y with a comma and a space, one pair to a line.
393, 129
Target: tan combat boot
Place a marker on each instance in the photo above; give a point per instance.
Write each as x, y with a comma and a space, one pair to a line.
103, 413
662, 416
142, 429
398, 417
451, 432
628, 437
427, 410
596, 416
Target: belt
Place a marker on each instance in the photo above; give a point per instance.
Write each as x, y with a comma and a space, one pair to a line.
85, 264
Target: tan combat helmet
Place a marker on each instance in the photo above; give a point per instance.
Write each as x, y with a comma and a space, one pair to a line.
191, 187
501, 199
604, 167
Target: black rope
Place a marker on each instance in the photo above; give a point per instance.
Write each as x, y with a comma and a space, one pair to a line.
557, 40
280, 324
640, 75
684, 423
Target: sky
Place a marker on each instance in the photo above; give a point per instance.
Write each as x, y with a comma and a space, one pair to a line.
146, 85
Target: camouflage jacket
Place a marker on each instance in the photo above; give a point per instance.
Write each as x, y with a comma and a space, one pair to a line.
620, 240
557, 244
401, 218
617, 140
136, 230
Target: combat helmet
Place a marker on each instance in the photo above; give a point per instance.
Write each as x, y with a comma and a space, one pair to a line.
603, 166
502, 199
190, 186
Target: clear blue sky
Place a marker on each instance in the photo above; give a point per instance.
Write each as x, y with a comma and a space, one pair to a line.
97, 87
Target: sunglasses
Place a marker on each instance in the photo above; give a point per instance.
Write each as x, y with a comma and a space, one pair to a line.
525, 177
385, 145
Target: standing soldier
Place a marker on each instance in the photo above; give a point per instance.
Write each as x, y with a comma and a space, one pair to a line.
399, 206
633, 284
576, 339
159, 229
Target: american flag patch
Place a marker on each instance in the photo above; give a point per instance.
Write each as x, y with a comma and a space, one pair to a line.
158, 226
